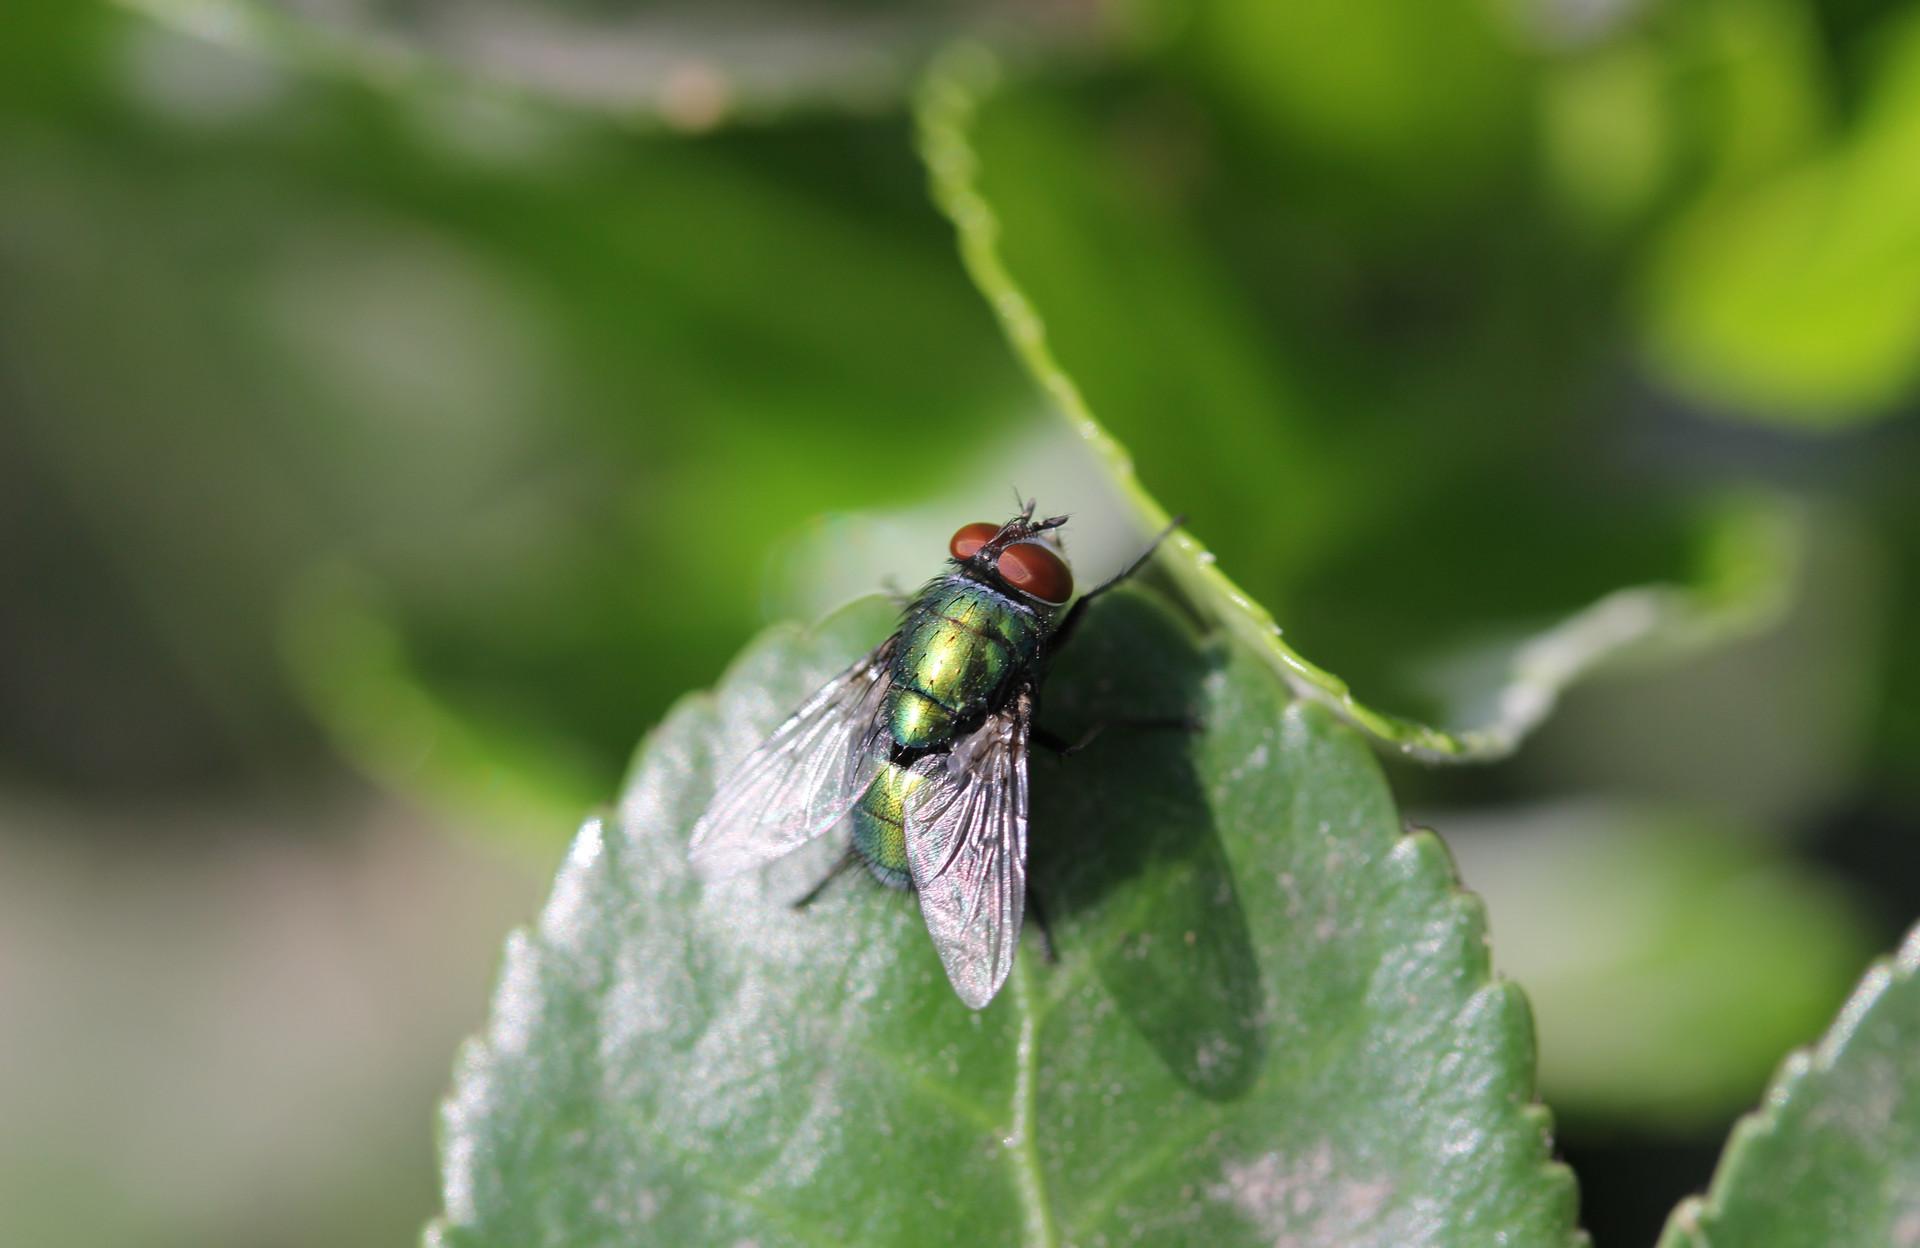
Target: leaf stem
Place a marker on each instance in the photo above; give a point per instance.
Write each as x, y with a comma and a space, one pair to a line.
1748, 595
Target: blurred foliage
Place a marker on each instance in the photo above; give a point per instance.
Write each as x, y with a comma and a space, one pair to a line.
1769, 729
1751, 549
550, 399
630, 332
1797, 298
1670, 959
451, 387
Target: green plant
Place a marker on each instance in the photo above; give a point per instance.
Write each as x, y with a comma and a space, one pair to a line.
536, 382
1273, 1016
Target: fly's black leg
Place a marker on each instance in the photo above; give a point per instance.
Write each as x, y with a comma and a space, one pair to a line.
1078, 610
833, 873
1040, 923
1063, 748
1059, 746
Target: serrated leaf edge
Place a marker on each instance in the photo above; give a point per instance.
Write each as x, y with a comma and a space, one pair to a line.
1798, 1069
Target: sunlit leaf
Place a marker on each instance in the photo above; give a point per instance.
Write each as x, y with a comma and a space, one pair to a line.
1270, 1018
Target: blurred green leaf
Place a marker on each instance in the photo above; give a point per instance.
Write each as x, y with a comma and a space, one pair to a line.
1797, 302
1270, 1018
1427, 97
1649, 106
352, 667
1641, 108
1750, 84
1607, 133
1769, 728
1829, 1158
1669, 959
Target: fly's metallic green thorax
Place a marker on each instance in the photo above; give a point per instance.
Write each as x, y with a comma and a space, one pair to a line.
962, 646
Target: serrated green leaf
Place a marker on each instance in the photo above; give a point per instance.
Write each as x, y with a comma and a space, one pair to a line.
1829, 1158
1271, 1017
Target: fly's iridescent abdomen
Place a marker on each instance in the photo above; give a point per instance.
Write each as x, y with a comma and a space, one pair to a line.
879, 825
961, 645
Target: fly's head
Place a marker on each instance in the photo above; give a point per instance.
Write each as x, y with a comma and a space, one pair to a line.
1022, 556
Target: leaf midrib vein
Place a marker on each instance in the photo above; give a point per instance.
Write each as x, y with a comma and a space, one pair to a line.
1023, 1148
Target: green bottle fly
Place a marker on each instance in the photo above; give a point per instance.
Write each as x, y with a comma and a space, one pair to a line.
961, 647
922, 747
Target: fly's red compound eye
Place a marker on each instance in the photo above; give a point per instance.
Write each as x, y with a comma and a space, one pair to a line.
969, 538
1036, 571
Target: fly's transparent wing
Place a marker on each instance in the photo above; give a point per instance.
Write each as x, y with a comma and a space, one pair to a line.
803, 780
966, 828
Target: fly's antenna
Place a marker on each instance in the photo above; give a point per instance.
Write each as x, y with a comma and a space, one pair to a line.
1024, 526
1021, 525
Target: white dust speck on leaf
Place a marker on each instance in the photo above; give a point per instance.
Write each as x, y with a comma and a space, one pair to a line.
1462, 1139
1214, 1052
1311, 1200
1291, 888
1255, 762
